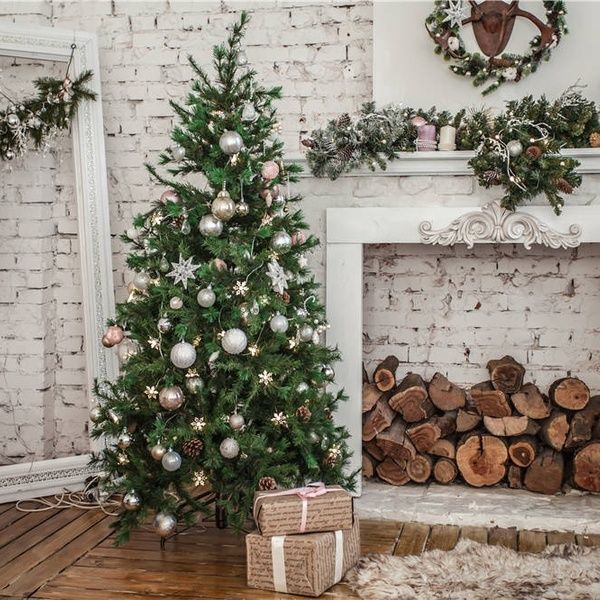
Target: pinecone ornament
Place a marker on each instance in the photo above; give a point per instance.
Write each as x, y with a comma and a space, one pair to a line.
344, 120
564, 186
492, 177
192, 448
266, 484
303, 413
534, 152
595, 139
345, 153
308, 142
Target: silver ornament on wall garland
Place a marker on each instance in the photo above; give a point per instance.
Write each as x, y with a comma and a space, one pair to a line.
210, 226
305, 333
171, 397
279, 324
158, 451
223, 207
234, 341
328, 372
124, 440
165, 524
95, 414
131, 501
248, 112
236, 421
281, 242
242, 59
13, 121
229, 448
183, 355
206, 297
231, 142
178, 152
171, 461
514, 147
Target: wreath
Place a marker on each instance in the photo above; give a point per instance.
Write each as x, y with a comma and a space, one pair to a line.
444, 26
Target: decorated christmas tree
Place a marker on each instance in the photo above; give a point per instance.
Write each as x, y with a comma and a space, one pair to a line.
223, 378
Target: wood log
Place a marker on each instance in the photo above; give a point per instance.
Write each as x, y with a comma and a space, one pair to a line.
523, 450
490, 402
426, 434
374, 450
570, 393
445, 448
419, 468
515, 477
466, 420
379, 419
368, 465
481, 460
410, 399
395, 443
370, 395
445, 471
510, 426
586, 467
444, 394
385, 374
506, 374
545, 473
392, 472
555, 430
530, 402
584, 423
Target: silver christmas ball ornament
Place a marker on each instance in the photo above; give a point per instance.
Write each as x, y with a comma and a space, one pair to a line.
95, 414
236, 421
164, 265
9, 154
314, 437
302, 312
171, 397
223, 207
171, 461
126, 349
124, 440
194, 385
206, 297
248, 112
279, 324
158, 451
514, 148
231, 142
281, 242
13, 121
242, 59
229, 448
328, 372
131, 501
175, 302
302, 387
165, 524
183, 355
164, 325
178, 152
141, 281
305, 333
210, 226
169, 196
234, 341
242, 209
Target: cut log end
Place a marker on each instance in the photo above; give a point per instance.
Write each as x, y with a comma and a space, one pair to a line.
445, 471
411, 400
490, 402
586, 467
545, 474
522, 451
444, 394
384, 376
419, 468
506, 374
570, 393
530, 402
392, 472
481, 460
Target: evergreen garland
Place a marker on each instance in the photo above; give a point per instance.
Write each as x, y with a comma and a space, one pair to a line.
541, 128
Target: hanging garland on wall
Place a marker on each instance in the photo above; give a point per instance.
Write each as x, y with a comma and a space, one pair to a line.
38, 119
518, 149
492, 28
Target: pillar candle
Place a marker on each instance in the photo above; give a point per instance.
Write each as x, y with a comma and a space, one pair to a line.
426, 138
447, 138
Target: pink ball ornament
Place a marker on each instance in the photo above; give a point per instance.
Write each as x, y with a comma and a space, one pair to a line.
298, 238
220, 264
273, 191
418, 121
114, 335
269, 170
169, 196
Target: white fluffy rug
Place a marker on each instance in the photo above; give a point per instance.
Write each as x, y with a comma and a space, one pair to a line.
475, 571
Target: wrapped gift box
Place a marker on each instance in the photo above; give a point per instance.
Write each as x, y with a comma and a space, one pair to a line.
306, 564
303, 510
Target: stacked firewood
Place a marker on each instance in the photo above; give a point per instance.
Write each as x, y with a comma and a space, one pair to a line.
501, 430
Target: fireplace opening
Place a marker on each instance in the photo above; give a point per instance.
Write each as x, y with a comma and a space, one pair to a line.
482, 366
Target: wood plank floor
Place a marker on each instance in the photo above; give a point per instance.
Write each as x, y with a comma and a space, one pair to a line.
68, 554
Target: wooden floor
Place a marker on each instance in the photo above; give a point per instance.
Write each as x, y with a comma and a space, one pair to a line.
69, 554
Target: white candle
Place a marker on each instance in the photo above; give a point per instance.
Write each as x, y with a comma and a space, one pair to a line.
447, 138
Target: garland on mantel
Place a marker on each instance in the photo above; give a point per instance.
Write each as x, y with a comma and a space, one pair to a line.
517, 149
39, 118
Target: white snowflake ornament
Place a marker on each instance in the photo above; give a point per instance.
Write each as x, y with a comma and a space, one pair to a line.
456, 12
279, 279
183, 271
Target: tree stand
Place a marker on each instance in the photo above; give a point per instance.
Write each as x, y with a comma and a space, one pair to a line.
220, 517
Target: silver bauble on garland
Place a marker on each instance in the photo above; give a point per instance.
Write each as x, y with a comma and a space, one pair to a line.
95, 414
131, 501
178, 152
164, 325
242, 59
171, 461
236, 421
306, 332
164, 524
242, 209
126, 349
234, 341
183, 355
223, 207
206, 297
175, 302
515, 148
13, 121
171, 397
9, 154
229, 448
164, 265
141, 281
231, 142
279, 324
328, 372
248, 112
194, 384
158, 451
124, 440
210, 226
281, 242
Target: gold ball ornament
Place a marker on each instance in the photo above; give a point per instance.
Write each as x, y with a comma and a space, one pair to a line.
157, 451
114, 335
223, 207
165, 524
131, 501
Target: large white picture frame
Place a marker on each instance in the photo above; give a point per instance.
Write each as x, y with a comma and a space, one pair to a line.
29, 480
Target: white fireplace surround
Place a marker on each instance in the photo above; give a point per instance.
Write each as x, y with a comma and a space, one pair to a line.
348, 229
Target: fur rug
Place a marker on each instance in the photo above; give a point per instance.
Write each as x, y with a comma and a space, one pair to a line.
475, 571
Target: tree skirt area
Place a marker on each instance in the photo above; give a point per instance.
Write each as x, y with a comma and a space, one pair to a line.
475, 571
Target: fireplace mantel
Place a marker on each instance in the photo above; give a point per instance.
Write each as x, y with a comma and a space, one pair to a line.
348, 229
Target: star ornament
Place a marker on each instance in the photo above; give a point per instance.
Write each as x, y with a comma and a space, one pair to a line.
183, 271
456, 12
151, 391
266, 378
279, 280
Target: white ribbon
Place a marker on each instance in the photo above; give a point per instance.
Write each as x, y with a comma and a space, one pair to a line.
278, 560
